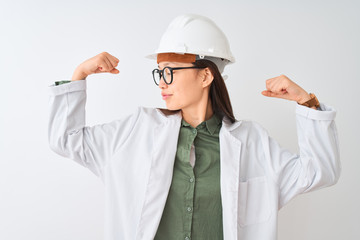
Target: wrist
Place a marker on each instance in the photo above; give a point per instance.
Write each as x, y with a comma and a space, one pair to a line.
312, 102
303, 98
78, 75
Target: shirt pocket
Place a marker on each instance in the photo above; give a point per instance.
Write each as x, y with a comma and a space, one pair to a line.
254, 201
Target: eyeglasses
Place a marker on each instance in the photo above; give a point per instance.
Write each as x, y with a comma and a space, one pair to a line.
167, 74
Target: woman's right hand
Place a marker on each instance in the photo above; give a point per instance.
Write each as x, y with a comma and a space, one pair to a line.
103, 62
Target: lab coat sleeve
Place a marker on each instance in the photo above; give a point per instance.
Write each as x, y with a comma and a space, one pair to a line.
318, 163
90, 146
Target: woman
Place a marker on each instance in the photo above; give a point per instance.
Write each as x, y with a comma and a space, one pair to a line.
192, 171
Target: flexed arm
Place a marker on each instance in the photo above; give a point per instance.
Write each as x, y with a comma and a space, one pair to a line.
318, 163
68, 135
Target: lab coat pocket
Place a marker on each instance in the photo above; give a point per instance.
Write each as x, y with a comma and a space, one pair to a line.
254, 205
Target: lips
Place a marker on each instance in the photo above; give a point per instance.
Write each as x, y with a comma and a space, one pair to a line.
165, 95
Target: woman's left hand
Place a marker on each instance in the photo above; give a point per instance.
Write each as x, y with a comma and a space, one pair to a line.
283, 87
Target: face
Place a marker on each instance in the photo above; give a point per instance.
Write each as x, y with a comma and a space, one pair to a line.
187, 88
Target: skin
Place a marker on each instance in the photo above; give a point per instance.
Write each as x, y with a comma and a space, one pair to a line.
103, 62
190, 88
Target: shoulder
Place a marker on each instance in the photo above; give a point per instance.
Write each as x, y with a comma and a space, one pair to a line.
246, 125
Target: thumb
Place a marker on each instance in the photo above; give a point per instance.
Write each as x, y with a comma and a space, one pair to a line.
269, 93
115, 71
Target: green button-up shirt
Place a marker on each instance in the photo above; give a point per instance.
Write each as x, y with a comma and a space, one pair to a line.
193, 207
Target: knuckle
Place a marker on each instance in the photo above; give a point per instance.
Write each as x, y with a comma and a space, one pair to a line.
102, 58
103, 55
267, 83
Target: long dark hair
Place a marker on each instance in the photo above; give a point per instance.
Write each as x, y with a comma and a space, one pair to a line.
218, 94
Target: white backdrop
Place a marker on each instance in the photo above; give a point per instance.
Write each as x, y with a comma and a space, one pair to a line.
44, 196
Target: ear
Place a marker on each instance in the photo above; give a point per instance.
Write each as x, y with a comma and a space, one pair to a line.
207, 77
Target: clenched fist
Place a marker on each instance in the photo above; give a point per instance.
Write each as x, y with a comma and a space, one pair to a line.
283, 87
103, 62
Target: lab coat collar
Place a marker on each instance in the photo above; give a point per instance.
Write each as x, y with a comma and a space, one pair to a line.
177, 116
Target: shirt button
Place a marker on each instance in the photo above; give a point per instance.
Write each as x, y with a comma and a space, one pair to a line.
187, 238
189, 209
191, 180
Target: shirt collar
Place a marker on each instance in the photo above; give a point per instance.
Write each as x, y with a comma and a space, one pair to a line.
211, 124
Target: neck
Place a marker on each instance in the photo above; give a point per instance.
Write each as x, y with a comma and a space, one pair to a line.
195, 115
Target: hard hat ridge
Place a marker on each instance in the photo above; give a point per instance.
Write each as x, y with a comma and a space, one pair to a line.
199, 35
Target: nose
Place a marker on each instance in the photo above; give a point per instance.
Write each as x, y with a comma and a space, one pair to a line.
162, 84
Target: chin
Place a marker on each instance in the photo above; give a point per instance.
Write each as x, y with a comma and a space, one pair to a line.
173, 107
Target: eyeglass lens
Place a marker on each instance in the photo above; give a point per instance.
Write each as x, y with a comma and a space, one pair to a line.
166, 73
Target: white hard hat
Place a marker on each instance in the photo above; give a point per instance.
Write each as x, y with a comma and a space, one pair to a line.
199, 35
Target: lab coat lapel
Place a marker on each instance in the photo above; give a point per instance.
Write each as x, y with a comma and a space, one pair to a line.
165, 137
230, 149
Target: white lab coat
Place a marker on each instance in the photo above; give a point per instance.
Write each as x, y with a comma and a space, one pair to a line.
134, 157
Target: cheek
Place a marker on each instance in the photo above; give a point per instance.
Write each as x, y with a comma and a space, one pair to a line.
188, 91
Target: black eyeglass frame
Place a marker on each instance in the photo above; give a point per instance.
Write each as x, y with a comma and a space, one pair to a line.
161, 73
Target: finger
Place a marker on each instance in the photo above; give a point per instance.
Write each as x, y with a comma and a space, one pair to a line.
110, 66
103, 66
270, 83
273, 83
279, 88
115, 71
98, 70
270, 80
268, 93
111, 57
114, 60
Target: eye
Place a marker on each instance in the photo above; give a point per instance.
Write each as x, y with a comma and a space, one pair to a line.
167, 71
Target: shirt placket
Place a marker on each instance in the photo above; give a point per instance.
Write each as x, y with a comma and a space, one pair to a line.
189, 197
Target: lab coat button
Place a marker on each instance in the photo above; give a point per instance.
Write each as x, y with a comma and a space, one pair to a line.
187, 238
189, 209
191, 180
